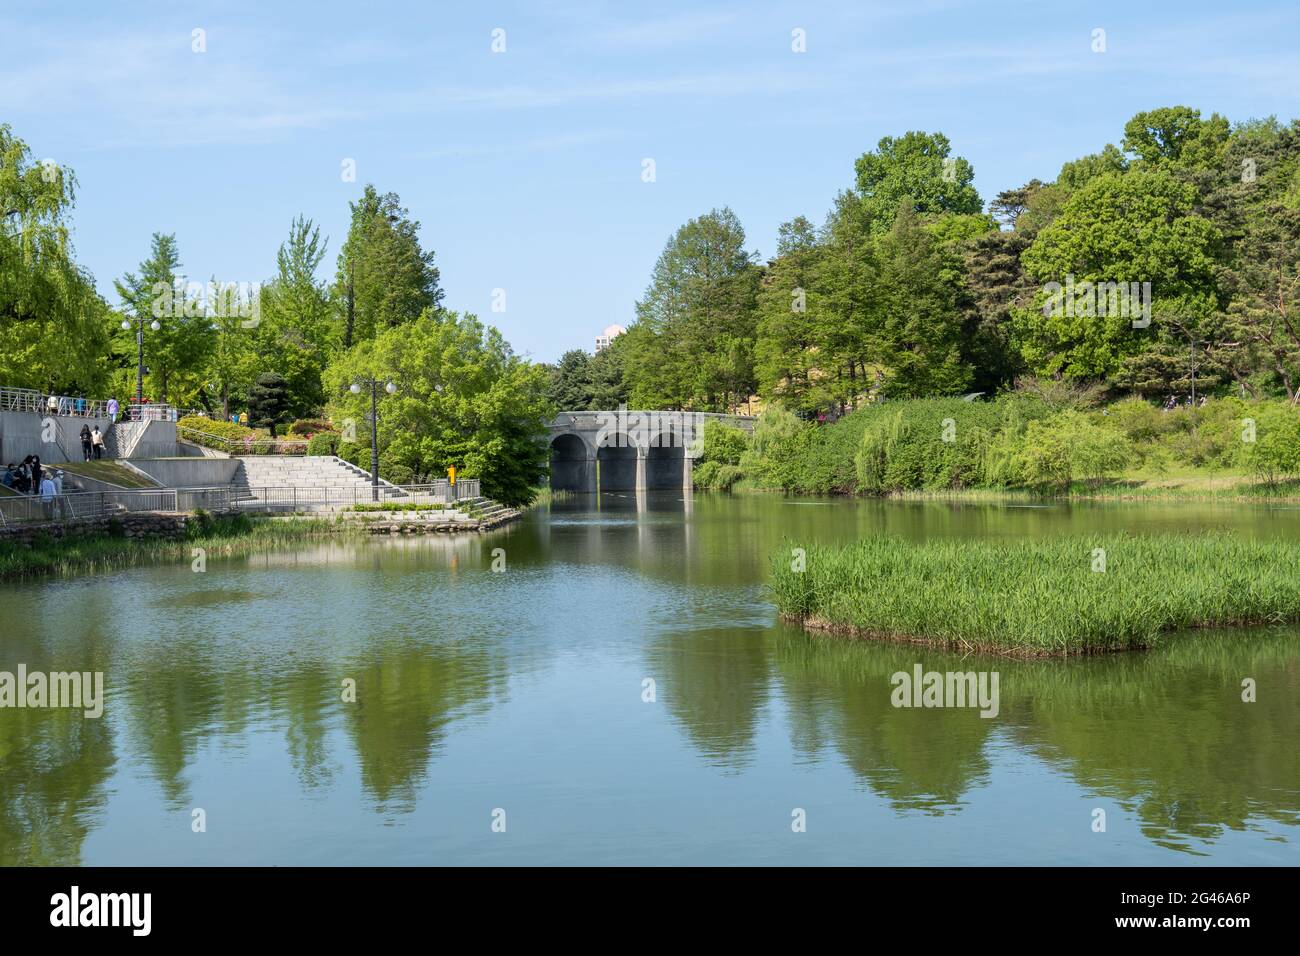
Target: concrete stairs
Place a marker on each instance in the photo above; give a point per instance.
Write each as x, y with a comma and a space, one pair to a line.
488, 512
121, 439
310, 471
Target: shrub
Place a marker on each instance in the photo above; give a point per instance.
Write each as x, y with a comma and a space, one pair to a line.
727, 476
1274, 453
1066, 446
723, 443
773, 458
705, 474
215, 427
310, 426
941, 443
351, 452
323, 443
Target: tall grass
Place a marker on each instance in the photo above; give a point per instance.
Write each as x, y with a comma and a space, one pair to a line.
1040, 597
236, 534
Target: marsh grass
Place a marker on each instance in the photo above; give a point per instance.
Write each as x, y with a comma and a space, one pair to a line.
227, 535
1030, 598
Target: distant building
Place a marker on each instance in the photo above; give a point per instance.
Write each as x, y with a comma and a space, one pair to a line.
609, 335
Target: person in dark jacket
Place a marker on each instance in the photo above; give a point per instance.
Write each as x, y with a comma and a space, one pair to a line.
86, 450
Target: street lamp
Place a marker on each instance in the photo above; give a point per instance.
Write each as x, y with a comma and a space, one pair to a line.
139, 364
390, 388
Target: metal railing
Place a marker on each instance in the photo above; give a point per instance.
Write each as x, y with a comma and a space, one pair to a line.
149, 412
22, 509
43, 403
279, 496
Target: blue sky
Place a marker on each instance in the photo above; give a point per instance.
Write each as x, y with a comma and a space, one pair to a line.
524, 167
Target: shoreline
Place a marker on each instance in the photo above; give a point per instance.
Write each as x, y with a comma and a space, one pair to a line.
1022, 495
89, 550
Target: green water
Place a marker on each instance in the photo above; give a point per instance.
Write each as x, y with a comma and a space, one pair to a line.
524, 691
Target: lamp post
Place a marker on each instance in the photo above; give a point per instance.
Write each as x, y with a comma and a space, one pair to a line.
139, 363
390, 388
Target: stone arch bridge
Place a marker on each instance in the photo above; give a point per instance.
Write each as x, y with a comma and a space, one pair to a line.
630, 450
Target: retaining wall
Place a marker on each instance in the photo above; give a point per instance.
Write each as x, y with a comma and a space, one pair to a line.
21, 435
188, 472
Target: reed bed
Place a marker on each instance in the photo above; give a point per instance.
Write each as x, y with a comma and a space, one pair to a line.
1031, 598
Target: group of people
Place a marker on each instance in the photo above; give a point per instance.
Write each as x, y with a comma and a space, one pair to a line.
1172, 402
29, 478
67, 405
92, 443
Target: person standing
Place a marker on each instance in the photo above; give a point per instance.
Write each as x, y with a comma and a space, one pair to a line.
59, 503
97, 441
86, 443
36, 474
112, 409
47, 497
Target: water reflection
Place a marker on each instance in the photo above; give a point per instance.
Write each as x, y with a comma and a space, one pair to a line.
218, 682
1165, 733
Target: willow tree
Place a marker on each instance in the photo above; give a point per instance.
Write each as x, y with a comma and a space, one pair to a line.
53, 324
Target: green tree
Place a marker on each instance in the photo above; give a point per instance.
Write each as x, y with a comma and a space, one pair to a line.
54, 327
295, 334
570, 386
177, 352
788, 350
1176, 135
691, 345
384, 277
269, 401
1139, 227
915, 336
607, 380
916, 168
463, 399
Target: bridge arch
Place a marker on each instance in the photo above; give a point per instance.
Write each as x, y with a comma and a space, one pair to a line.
629, 450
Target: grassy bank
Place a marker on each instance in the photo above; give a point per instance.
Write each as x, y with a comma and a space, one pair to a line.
1018, 444
1032, 598
238, 534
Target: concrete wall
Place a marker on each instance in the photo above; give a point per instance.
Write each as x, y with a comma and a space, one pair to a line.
188, 472
21, 434
158, 441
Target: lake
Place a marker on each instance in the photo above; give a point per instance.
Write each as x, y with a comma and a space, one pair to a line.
620, 692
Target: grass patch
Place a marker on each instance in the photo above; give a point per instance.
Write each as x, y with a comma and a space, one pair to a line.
217, 535
403, 506
1030, 598
109, 471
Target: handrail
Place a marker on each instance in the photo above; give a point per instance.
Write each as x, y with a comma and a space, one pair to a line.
151, 412
45, 403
